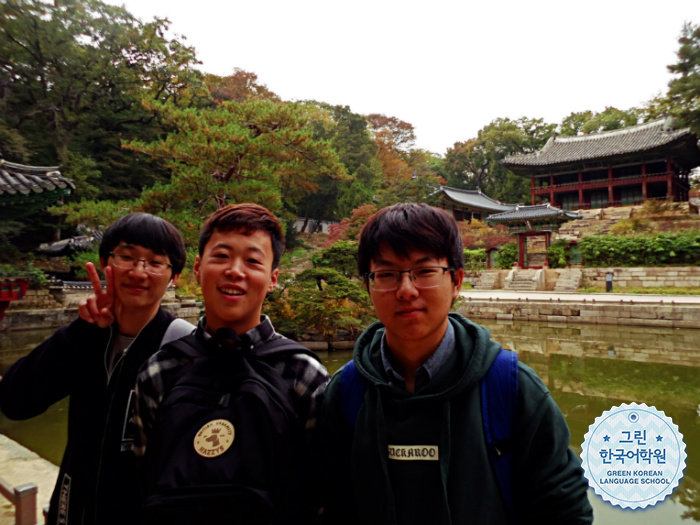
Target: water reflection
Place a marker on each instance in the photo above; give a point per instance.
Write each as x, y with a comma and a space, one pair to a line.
587, 368
591, 368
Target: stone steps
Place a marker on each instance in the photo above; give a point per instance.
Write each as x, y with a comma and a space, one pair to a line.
597, 221
523, 280
569, 280
489, 280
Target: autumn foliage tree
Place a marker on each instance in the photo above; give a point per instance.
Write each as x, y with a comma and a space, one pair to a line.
394, 139
240, 86
349, 228
477, 234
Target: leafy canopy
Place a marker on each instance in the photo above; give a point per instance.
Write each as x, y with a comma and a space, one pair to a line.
684, 89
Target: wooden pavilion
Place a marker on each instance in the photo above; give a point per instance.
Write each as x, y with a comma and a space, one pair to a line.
27, 189
466, 205
534, 226
621, 167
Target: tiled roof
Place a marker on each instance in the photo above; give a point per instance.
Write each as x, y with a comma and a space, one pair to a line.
87, 239
538, 211
26, 189
642, 137
474, 199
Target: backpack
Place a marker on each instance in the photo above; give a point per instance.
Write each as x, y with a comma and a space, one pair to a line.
499, 401
227, 443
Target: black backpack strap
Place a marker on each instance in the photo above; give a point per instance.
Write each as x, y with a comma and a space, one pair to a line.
187, 345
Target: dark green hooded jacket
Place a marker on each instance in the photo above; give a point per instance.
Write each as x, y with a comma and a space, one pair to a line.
439, 472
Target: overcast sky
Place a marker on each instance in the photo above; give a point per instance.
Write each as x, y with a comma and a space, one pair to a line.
447, 67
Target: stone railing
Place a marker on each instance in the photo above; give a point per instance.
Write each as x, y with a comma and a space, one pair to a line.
24, 500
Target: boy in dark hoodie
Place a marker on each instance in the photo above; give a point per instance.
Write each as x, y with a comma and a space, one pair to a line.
94, 360
421, 367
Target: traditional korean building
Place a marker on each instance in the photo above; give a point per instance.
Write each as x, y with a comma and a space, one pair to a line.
534, 226
620, 167
466, 205
27, 189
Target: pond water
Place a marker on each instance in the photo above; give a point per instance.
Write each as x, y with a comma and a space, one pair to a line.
587, 368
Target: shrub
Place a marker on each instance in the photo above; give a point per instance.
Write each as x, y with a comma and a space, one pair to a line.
508, 256
475, 259
662, 249
349, 228
37, 278
557, 255
319, 299
341, 256
477, 234
631, 225
77, 263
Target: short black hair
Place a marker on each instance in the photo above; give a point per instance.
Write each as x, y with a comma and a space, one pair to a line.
149, 231
410, 226
248, 218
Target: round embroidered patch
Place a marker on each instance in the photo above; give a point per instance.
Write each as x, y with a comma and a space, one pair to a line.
633, 456
214, 438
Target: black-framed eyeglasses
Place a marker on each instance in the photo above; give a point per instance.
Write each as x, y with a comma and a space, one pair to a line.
127, 262
424, 277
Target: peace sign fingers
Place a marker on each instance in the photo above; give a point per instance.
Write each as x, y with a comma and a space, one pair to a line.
98, 308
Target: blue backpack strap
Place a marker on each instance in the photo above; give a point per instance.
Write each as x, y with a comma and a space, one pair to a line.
499, 401
352, 389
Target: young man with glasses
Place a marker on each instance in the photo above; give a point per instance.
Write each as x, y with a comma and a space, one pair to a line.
403, 439
94, 360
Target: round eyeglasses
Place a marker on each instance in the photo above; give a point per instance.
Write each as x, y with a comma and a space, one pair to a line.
127, 262
389, 280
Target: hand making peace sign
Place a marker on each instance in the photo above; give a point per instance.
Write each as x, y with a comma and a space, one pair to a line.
102, 307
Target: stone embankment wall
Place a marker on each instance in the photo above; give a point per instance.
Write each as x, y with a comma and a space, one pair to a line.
641, 277
637, 313
672, 276
472, 276
40, 309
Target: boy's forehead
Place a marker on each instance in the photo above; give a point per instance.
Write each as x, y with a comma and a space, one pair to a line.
233, 234
386, 255
124, 245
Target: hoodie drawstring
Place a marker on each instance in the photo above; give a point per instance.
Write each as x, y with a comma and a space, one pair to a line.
445, 453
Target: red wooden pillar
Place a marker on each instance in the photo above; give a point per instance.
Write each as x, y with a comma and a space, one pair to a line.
521, 238
551, 190
644, 181
3, 307
669, 180
580, 188
532, 190
610, 187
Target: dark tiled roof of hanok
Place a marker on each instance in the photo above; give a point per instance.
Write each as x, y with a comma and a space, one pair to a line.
27, 189
633, 139
528, 213
474, 199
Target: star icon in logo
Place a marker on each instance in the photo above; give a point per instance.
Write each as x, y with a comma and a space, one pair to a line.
659, 439
606, 439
